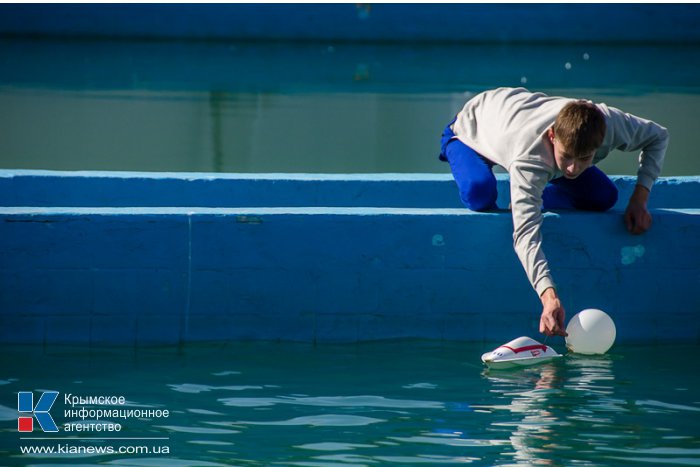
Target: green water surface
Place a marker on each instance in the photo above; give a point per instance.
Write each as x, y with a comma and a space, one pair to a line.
387, 403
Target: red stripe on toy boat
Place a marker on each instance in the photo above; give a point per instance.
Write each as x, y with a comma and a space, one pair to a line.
526, 348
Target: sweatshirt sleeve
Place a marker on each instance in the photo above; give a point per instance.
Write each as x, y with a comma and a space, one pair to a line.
527, 182
630, 133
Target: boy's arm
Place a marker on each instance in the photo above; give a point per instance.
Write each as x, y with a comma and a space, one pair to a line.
631, 133
527, 181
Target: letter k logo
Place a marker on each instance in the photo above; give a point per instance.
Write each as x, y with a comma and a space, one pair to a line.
25, 404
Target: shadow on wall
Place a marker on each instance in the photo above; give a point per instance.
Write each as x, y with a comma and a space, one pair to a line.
362, 22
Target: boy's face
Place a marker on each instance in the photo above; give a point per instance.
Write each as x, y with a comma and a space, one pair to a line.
571, 165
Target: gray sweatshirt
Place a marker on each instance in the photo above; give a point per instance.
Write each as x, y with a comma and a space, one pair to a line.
509, 127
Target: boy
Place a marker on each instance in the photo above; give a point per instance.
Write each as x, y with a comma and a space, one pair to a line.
549, 146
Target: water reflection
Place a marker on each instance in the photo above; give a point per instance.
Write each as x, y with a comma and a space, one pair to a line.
549, 402
384, 404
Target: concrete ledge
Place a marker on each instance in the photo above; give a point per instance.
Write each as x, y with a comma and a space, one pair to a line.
49, 188
173, 275
115, 189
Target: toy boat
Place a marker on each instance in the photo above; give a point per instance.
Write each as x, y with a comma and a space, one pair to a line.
522, 351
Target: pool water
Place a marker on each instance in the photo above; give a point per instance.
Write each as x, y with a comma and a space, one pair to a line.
384, 403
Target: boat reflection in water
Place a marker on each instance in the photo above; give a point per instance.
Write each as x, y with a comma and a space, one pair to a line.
562, 406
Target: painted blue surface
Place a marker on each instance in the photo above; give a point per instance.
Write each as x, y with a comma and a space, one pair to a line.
120, 189
153, 274
394, 22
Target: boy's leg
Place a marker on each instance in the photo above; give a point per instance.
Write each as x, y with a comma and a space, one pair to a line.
473, 174
590, 191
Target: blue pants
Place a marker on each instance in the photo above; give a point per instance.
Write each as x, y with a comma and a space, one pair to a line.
590, 191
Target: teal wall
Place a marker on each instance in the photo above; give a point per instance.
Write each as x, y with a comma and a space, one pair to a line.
364, 22
105, 271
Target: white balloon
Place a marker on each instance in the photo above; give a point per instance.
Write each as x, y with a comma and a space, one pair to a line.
591, 331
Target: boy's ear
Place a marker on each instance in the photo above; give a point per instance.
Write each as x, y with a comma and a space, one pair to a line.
550, 134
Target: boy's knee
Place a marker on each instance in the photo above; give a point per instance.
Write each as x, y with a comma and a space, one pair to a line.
605, 199
608, 197
479, 195
611, 197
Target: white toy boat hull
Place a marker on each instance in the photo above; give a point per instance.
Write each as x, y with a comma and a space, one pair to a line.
522, 351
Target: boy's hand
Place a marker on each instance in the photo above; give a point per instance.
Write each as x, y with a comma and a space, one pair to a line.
637, 216
552, 319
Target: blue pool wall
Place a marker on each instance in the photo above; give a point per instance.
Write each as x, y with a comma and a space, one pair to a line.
219, 190
129, 258
361, 22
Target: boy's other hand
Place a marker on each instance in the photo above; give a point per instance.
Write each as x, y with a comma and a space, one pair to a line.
552, 319
637, 216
